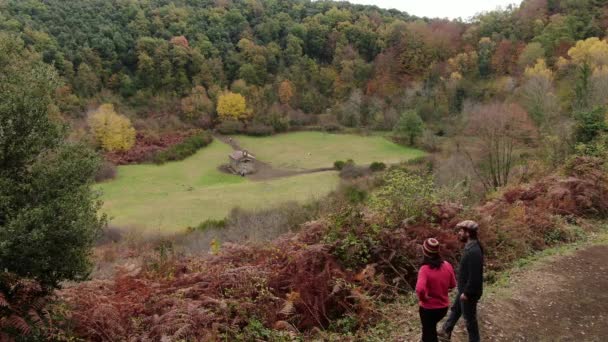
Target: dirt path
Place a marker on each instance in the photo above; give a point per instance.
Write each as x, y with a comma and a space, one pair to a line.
266, 171
564, 299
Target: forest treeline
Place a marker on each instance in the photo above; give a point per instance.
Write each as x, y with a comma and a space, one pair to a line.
296, 62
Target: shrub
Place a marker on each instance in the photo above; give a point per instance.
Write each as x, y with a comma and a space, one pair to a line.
259, 130
211, 224
185, 149
377, 166
339, 164
350, 170
405, 195
230, 127
331, 127
354, 194
109, 234
107, 171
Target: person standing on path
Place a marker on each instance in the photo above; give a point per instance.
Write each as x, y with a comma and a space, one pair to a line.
470, 283
435, 279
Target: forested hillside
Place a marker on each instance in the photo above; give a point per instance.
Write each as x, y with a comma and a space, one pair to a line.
505, 115
296, 62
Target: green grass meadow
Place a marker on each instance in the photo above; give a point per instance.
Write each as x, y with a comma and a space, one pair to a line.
290, 151
176, 195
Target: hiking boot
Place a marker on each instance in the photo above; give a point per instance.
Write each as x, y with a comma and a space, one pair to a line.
444, 336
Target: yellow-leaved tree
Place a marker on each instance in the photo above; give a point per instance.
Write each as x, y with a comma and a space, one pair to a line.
591, 51
232, 106
112, 131
537, 93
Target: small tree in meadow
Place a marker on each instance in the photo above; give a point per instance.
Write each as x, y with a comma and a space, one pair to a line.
410, 126
112, 131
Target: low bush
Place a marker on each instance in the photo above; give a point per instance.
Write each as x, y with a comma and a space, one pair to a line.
211, 224
259, 130
110, 234
339, 164
331, 127
377, 166
230, 127
107, 171
183, 150
350, 170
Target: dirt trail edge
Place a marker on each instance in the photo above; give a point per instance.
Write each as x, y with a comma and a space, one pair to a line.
266, 171
562, 299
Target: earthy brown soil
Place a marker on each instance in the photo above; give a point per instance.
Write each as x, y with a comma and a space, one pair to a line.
265, 171
563, 300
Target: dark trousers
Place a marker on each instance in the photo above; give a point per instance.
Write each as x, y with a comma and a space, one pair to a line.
467, 309
429, 319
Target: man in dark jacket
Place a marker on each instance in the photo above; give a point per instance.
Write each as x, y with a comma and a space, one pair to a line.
470, 283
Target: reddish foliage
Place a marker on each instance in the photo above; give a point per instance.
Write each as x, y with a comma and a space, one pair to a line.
297, 282
204, 297
22, 303
180, 41
145, 147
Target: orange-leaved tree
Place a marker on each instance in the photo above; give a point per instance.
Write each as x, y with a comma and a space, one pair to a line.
112, 131
286, 91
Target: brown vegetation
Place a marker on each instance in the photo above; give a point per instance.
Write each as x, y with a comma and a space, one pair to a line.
146, 146
300, 281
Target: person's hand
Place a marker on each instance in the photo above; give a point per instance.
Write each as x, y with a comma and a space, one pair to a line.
464, 297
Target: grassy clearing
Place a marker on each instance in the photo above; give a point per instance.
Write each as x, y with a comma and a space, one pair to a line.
180, 194
185, 193
290, 151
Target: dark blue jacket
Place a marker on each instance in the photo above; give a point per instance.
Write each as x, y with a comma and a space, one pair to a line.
470, 271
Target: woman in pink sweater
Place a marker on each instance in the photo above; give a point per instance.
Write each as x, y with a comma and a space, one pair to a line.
435, 279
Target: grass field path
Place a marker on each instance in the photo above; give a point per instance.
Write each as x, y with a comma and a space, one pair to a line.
264, 170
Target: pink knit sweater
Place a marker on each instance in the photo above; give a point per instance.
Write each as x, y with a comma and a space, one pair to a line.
433, 285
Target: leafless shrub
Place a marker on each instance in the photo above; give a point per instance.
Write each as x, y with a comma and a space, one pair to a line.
106, 171
499, 128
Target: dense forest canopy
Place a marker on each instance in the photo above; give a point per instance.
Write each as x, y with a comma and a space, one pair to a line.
356, 63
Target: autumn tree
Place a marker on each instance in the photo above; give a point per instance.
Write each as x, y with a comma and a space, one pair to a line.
464, 64
505, 57
232, 106
197, 105
410, 126
591, 51
112, 131
286, 91
498, 129
530, 54
538, 94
